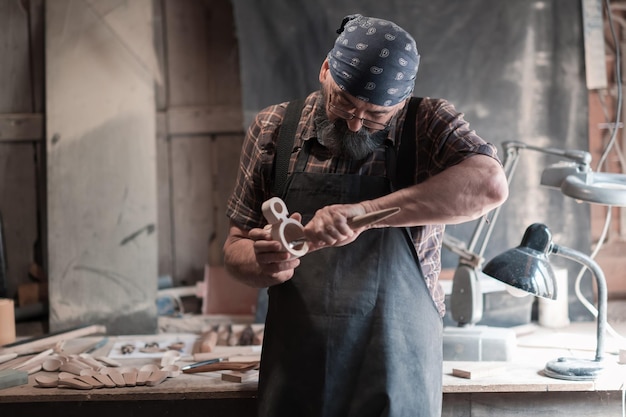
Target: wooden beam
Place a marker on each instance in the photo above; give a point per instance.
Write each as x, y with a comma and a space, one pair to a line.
21, 127
204, 120
43, 342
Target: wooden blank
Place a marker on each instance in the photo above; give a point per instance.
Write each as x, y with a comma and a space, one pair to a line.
479, 370
235, 376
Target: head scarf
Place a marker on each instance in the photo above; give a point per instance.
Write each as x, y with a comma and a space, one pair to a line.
374, 60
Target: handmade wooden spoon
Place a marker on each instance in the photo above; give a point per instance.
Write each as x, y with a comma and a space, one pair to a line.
102, 378
115, 376
52, 364
156, 378
172, 370
170, 357
74, 383
47, 381
145, 372
130, 376
88, 379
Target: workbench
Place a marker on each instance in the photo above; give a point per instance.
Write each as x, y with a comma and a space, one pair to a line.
515, 388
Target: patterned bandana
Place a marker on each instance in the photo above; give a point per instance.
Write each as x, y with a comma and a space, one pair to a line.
374, 60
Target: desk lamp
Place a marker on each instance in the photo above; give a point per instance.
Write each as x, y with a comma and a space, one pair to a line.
527, 268
466, 299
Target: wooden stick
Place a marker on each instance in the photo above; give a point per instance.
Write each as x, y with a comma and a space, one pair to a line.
36, 344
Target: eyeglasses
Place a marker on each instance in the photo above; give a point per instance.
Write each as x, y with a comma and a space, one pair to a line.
370, 124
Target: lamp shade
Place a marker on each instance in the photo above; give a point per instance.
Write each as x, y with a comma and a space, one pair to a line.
597, 187
526, 267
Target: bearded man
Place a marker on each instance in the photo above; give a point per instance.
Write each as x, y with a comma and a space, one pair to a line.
354, 327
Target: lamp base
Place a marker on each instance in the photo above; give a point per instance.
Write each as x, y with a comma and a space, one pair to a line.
478, 343
574, 369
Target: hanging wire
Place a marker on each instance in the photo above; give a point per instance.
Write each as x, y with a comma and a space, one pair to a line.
605, 230
618, 81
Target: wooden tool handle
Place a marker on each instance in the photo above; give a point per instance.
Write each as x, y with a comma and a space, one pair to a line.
372, 217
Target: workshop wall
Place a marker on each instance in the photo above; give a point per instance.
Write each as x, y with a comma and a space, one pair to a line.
200, 123
197, 133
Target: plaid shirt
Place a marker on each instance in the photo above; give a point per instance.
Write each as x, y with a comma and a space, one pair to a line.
443, 140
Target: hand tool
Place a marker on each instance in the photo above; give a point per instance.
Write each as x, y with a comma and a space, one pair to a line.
360, 221
223, 366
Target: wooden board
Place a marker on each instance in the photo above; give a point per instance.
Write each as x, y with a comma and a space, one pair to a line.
21, 123
101, 153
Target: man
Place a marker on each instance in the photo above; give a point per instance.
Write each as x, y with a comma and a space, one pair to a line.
354, 327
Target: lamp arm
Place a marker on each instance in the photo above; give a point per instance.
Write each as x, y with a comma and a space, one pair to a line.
601, 287
578, 156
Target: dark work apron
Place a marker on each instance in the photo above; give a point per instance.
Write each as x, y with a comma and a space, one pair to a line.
355, 332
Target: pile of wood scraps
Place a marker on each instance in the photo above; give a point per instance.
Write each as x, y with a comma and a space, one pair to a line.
84, 372
23, 358
230, 352
229, 335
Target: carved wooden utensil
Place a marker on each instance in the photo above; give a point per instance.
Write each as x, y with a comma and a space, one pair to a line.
361, 221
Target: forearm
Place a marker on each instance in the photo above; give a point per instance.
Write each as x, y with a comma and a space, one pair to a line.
459, 194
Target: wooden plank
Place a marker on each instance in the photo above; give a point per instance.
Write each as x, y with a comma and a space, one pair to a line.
523, 404
203, 58
160, 41
101, 154
192, 210
164, 193
187, 52
37, 54
15, 71
18, 207
225, 151
204, 120
21, 127
19, 32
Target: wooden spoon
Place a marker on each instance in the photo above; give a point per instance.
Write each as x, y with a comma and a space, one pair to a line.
74, 383
46, 381
145, 372
115, 376
156, 378
170, 357
101, 378
130, 376
172, 370
52, 364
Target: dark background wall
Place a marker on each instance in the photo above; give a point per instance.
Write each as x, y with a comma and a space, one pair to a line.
514, 68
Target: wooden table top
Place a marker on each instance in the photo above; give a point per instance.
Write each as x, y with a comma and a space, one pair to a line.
536, 346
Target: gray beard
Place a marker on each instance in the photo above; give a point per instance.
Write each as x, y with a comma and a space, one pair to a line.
342, 142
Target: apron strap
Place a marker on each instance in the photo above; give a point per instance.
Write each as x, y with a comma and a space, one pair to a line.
401, 165
284, 147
